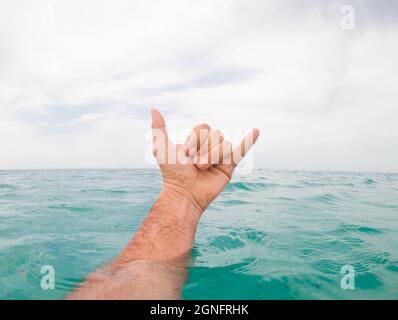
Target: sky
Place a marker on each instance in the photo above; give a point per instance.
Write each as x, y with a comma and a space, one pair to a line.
318, 78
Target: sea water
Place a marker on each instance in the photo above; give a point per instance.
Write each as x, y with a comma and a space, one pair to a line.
269, 235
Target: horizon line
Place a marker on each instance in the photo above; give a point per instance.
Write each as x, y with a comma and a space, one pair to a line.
156, 168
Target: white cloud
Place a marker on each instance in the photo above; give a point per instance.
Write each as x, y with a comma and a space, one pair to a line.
77, 80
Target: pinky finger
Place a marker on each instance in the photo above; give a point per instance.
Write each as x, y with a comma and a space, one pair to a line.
243, 148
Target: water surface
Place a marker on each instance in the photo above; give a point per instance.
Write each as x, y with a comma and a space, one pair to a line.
270, 235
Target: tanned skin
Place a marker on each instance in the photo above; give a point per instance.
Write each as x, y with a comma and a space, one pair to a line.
153, 264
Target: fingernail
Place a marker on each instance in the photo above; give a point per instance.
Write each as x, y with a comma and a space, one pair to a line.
185, 149
191, 152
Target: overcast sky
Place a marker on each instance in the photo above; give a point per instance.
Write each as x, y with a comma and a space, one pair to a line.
77, 80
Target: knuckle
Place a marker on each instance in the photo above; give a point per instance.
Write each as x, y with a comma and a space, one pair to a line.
217, 134
203, 126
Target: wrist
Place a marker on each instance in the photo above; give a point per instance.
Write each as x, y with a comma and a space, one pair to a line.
182, 198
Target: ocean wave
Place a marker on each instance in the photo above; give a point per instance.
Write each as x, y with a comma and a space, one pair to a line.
370, 181
392, 267
234, 202
367, 261
238, 239
358, 228
311, 183
7, 186
324, 198
70, 208
99, 190
248, 186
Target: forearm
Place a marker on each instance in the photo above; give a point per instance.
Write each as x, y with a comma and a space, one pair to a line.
153, 263
168, 231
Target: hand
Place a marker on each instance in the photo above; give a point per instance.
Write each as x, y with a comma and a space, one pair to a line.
202, 166
194, 174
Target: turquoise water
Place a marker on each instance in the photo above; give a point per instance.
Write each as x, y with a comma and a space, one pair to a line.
270, 235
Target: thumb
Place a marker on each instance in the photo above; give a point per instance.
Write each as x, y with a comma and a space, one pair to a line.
157, 119
159, 132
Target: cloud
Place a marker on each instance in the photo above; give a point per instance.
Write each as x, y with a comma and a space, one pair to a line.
77, 80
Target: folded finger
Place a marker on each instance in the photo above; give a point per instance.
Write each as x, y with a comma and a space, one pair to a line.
219, 154
214, 138
197, 137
